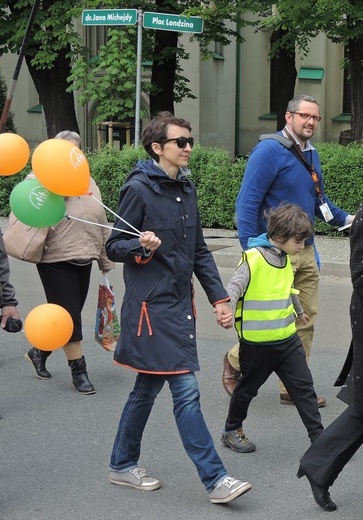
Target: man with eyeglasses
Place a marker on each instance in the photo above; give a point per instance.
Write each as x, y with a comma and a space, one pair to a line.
158, 339
276, 174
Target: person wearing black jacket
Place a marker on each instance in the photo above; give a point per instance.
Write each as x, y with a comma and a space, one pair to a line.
332, 450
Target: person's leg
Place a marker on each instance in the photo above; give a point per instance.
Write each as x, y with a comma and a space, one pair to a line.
198, 442
196, 438
67, 285
294, 372
330, 452
257, 362
306, 280
127, 445
333, 449
231, 371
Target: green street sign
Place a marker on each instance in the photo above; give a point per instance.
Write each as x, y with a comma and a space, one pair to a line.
109, 17
173, 22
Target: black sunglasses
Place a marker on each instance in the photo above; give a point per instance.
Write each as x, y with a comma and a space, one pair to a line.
181, 141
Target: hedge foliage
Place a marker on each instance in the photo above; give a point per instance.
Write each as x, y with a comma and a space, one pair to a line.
217, 179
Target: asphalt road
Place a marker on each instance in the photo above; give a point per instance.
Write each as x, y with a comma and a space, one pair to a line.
56, 444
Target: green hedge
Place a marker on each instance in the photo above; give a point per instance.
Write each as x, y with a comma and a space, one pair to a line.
343, 177
217, 179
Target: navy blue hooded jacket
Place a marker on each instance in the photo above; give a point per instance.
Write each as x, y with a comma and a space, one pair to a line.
158, 316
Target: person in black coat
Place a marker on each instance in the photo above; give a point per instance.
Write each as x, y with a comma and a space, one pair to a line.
158, 339
332, 450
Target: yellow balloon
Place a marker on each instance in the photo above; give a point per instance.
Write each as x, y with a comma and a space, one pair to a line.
48, 326
14, 153
61, 167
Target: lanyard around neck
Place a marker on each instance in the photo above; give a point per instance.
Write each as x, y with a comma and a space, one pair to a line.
299, 154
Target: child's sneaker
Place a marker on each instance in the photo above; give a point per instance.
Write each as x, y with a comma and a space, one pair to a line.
136, 478
237, 441
228, 489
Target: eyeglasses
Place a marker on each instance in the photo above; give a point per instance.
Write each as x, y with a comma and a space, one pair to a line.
181, 141
306, 117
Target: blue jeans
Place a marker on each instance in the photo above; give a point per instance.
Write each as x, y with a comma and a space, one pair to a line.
197, 440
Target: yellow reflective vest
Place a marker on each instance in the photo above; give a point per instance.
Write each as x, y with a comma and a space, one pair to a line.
265, 313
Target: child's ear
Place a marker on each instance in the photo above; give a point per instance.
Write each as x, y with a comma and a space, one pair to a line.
279, 239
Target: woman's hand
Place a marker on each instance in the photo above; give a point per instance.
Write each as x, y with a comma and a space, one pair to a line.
149, 241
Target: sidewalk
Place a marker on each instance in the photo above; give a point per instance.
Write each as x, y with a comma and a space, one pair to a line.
224, 243
333, 251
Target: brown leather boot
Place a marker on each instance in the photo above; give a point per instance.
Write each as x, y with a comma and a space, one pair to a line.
286, 399
229, 376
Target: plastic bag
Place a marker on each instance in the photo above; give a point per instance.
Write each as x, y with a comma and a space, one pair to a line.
107, 327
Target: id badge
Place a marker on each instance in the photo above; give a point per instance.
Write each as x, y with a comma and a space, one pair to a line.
325, 211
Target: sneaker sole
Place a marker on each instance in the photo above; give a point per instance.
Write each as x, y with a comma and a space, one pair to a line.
239, 492
251, 449
27, 358
150, 487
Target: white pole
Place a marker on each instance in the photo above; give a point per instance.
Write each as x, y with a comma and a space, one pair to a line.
138, 77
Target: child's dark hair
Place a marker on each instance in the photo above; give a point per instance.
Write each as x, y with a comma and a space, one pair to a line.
288, 220
157, 129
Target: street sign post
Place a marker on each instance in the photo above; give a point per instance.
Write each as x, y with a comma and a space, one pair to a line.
109, 17
173, 22
162, 21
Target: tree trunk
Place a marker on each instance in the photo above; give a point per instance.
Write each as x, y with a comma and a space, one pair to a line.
356, 68
51, 85
286, 76
163, 72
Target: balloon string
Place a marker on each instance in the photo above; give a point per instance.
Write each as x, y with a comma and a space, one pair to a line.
118, 216
102, 225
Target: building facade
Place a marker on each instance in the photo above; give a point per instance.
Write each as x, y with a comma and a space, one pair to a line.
233, 105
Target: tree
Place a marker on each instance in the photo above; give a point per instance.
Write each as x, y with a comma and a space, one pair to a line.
284, 59
342, 22
52, 42
109, 77
165, 50
9, 127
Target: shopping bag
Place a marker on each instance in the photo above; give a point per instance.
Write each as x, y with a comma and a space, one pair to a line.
107, 327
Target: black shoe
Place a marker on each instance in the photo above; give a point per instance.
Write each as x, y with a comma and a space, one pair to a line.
38, 358
80, 377
321, 494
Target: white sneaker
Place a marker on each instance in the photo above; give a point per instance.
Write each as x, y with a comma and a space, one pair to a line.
136, 478
228, 489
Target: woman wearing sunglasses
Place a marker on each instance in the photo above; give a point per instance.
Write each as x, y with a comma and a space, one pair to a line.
158, 339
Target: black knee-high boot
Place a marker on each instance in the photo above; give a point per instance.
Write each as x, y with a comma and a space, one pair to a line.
80, 377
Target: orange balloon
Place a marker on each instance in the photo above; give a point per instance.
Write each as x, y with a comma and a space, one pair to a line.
14, 153
61, 167
48, 326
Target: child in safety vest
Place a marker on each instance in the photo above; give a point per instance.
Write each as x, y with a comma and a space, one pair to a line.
266, 308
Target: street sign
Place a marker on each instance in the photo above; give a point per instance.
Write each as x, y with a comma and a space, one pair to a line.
173, 22
109, 17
